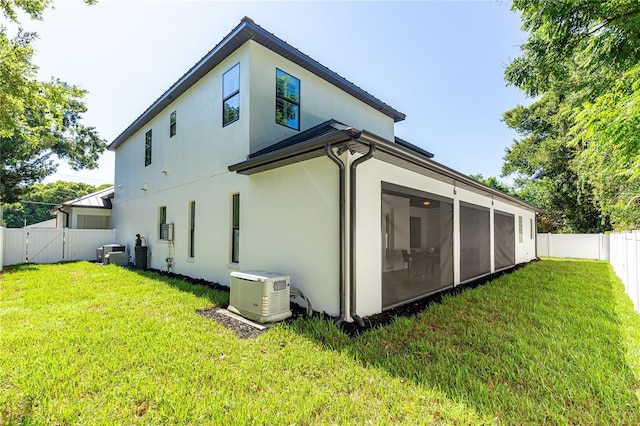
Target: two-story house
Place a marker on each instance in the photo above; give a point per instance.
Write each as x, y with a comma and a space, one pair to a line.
259, 157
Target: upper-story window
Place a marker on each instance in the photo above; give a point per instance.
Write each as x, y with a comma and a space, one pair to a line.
287, 100
147, 148
172, 124
231, 95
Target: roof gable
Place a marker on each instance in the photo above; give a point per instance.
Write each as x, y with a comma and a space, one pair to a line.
245, 31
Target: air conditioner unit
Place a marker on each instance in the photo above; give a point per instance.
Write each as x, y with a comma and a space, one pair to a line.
108, 248
166, 232
260, 295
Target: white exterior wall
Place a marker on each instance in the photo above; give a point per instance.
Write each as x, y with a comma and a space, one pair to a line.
288, 217
319, 101
200, 150
190, 166
290, 224
370, 175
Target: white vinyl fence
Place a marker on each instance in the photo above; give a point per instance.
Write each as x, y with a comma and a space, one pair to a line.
625, 257
622, 250
580, 246
38, 245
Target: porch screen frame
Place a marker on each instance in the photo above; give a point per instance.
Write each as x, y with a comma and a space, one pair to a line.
475, 241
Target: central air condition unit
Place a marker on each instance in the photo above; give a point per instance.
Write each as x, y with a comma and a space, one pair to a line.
260, 295
108, 248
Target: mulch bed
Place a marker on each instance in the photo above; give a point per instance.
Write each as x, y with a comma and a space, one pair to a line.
352, 329
242, 330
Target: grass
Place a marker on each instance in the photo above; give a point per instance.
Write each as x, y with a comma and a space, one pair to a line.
556, 342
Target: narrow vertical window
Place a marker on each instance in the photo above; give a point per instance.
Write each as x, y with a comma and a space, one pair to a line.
235, 229
172, 124
192, 228
162, 221
287, 100
520, 230
231, 95
531, 229
147, 148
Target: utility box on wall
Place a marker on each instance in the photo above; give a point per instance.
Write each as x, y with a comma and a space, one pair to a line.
260, 295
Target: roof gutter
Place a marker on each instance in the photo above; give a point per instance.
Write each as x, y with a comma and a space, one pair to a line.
404, 154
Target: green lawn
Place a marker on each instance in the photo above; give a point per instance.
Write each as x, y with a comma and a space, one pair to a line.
556, 342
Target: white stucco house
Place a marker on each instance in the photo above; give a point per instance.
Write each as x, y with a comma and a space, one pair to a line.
259, 157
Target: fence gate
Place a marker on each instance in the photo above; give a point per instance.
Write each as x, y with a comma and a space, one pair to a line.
38, 245
44, 245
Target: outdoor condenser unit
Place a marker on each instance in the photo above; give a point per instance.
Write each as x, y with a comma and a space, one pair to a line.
260, 295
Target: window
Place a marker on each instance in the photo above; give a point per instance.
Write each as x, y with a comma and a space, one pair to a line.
231, 95
520, 230
287, 100
162, 221
531, 229
147, 148
172, 124
192, 228
235, 228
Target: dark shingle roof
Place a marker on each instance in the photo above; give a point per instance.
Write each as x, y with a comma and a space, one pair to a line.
249, 30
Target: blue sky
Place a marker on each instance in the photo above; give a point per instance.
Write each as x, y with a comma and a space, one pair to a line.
440, 63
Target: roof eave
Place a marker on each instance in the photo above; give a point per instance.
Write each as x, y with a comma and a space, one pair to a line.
245, 31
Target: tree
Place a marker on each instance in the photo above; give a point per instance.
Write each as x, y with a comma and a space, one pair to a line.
493, 182
41, 201
542, 161
579, 141
37, 119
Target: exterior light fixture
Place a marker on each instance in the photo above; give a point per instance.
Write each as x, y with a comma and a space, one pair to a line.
426, 202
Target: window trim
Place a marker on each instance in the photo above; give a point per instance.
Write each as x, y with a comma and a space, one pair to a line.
173, 127
289, 101
230, 96
148, 147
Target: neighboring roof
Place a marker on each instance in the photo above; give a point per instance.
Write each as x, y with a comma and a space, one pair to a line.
51, 223
245, 31
100, 199
385, 150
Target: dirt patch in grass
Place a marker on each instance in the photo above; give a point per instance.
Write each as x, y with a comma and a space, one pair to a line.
351, 329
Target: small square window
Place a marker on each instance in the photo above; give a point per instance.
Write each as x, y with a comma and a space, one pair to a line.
172, 124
